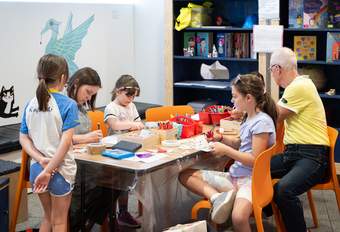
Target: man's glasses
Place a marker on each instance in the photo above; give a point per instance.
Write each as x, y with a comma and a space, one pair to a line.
273, 67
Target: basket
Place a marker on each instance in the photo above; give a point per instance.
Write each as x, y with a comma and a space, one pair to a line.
205, 117
216, 117
188, 126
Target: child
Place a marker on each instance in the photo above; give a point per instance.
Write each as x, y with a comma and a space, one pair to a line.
257, 133
83, 87
46, 135
121, 115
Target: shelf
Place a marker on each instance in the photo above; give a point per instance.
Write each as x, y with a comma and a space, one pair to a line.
320, 62
216, 28
213, 85
325, 96
312, 30
215, 58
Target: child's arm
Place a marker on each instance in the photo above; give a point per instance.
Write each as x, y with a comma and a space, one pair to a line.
43, 178
229, 140
115, 124
29, 147
259, 144
91, 137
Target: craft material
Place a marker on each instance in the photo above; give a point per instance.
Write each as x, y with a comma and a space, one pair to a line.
95, 148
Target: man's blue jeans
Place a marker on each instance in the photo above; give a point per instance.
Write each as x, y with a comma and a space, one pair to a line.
299, 168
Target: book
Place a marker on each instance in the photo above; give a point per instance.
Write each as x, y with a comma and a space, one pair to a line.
295, 9
315, 13
305, 47
333, 14
127, 146
189, 41
204, 43
333, 47
228, 45
241, 45
220, 44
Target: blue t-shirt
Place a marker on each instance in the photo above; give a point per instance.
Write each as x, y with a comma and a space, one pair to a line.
68, 110
260, 123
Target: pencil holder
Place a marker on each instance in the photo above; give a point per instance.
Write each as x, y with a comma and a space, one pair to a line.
95, 148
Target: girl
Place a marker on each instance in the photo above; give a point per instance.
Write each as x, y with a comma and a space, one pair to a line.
46, 135
257, 133
83, 87
121, 115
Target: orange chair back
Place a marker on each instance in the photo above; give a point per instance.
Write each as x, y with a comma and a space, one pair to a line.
22, 183
97, 118
164, 112
279, 137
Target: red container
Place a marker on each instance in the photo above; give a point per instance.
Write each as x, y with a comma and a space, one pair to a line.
216, 117
188, 126
205, 117
198, 127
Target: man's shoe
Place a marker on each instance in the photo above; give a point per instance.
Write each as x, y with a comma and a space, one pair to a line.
222, 206
125, 219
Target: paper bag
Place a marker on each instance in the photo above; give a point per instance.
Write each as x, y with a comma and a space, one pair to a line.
200, 226
214, 71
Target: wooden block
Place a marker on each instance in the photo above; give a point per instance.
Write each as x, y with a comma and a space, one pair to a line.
146, 141
170, 134
230, 126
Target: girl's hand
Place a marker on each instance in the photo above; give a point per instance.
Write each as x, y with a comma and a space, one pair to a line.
218, 148
137, 126
236, 115
41, 182
94, 136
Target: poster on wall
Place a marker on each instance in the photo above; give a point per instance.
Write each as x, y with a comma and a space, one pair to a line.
99, 36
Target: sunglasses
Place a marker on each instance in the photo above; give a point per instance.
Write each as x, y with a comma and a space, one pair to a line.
130, 91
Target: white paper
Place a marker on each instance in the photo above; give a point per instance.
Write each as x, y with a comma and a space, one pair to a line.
109, 141
267, 38
269, 9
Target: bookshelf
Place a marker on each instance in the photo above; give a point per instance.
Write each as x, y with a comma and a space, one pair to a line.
187, 83
330, 69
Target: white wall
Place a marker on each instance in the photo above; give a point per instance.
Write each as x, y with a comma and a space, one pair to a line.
149, 49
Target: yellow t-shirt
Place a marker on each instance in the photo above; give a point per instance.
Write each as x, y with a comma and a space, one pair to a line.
308, 125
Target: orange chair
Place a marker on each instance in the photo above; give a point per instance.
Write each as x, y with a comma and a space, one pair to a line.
163, 113
97, 118
22, 184
262, 190
332, 183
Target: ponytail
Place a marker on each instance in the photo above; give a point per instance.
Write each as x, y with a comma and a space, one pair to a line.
42, 95
268, 106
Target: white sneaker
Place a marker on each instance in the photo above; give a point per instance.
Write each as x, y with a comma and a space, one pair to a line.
222, 206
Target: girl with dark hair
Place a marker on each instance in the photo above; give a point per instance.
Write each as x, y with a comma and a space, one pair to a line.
230, 192
121, 115
46, 134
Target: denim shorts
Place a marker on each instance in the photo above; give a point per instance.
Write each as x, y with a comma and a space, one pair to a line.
57, 186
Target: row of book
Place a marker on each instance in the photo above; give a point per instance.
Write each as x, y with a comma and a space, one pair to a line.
227, 45
306, 49
314, 13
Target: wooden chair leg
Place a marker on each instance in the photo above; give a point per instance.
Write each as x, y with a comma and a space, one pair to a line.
17, 201
313, 209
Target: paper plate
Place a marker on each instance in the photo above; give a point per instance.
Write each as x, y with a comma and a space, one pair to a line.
171, 143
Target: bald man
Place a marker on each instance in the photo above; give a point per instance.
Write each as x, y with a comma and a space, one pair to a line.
304, 161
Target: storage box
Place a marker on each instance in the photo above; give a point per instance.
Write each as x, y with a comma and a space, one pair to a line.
200, 17
168, 134
147, 141
231, 127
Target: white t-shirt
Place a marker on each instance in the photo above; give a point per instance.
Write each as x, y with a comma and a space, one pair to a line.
121, 113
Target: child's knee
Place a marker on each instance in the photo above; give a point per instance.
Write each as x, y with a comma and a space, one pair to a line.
185, 175
239, 218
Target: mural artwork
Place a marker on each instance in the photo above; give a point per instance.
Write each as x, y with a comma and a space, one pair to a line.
68, 45
7, 109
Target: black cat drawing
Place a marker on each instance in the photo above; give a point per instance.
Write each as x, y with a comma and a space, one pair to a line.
7, 102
